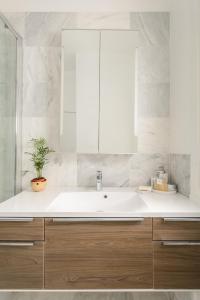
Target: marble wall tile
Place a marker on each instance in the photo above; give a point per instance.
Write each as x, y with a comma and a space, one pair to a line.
153, 135
154, 28
42, 64
152, 81
119, 170
115, 169
180, 172
143, 167
41, 100
61, 170
135, 23
17, 20
153, 64
41, 127
153, 100
35, 127
103, 20
44, 29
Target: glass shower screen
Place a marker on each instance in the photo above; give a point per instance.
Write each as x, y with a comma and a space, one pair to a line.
8, 98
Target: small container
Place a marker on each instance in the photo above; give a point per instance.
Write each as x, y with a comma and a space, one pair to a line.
171, 187
161, 181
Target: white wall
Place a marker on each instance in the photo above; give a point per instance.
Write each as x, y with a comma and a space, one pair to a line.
85, 5
182, 68
184, 100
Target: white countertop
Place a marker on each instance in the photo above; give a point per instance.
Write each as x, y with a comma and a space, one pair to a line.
31, 204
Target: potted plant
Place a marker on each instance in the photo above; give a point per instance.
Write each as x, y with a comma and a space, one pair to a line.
39, 159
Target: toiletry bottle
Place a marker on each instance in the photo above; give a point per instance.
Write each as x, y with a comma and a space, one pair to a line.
161, 182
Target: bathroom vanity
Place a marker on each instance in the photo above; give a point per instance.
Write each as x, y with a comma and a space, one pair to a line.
42, 247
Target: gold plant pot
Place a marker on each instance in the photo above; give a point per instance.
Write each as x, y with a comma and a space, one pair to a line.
38, 184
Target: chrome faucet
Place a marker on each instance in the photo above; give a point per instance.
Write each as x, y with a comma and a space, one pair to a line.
99, 180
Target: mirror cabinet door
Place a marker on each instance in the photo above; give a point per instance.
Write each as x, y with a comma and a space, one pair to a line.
80, 95
117, 92
98, 93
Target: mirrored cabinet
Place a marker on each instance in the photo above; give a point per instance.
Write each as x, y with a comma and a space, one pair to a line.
98, 104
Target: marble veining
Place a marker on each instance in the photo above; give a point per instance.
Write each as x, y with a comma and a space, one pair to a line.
115, 169
119, 170
103, 20
153, 100
42, 64
17, 20
154, 28
153, 64
153, 135
180, 172
143, 166
44, 29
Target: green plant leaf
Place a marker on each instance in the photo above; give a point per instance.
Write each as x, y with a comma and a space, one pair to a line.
38, 156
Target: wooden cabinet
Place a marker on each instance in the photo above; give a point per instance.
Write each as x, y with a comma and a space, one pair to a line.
176, 229
21, 265
21, 253
176, 253
98, 255
177, 265
81, 253
21, 229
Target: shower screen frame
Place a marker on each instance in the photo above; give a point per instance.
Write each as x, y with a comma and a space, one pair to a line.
18, 104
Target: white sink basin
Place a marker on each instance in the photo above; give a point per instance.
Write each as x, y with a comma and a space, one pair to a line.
98, 202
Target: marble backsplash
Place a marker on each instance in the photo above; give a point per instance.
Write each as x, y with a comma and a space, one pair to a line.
119, 170
179, 170
127, 170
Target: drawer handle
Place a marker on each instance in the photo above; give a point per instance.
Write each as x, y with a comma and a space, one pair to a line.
17, 244
16, 219
57, 220
181, 219
181, 243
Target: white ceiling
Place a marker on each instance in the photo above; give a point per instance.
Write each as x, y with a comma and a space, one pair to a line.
85, 5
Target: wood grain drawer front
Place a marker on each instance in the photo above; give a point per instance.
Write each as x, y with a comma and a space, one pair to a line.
173, 229
21, 265
98, 255
176, 266
21, 229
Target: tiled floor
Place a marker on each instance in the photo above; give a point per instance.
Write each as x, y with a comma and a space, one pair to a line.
89, 296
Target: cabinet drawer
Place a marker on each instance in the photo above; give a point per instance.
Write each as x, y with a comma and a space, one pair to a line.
177, 265
21, 265
98, 255
21, 229
176, 229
